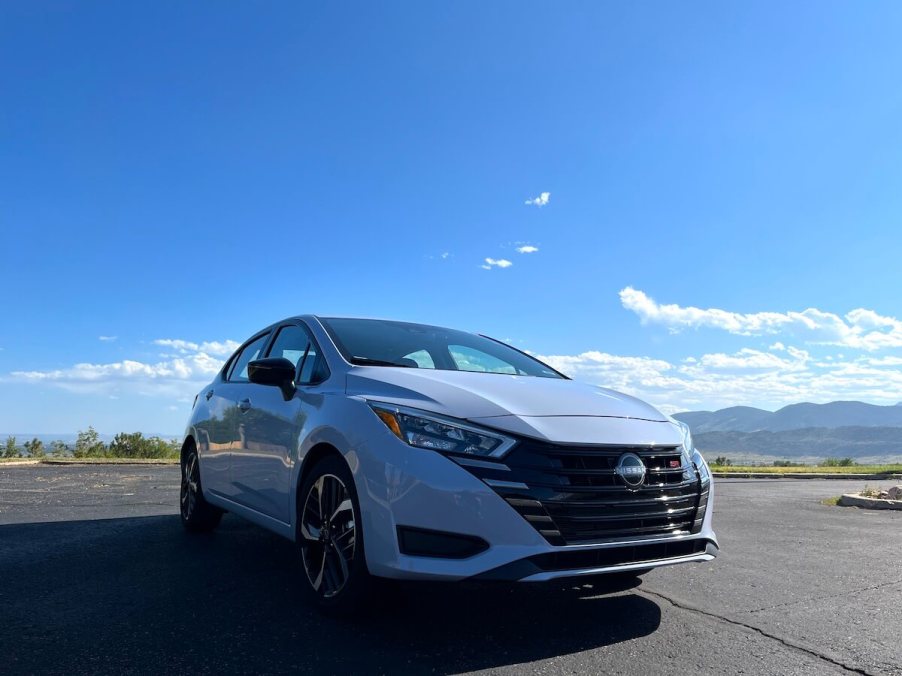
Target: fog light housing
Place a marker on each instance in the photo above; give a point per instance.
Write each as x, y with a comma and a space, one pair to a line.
438, 544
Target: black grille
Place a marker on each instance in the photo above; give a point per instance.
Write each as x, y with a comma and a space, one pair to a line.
573, 494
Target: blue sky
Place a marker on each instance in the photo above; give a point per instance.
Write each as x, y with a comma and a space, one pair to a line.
723, 185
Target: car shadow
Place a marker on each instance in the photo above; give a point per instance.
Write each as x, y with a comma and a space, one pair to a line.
141, 595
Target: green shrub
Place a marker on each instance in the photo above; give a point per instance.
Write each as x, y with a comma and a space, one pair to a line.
35, 448
11, 450
89, 445
838, 462
135, 445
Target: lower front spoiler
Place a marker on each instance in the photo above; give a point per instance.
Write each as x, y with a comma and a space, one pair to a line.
554, 565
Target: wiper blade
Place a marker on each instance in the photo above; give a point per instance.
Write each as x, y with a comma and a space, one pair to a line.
366, 361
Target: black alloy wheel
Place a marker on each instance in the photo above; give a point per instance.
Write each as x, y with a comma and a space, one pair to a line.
197, 514
330, 538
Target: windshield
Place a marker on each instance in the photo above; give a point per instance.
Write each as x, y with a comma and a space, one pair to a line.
376, 342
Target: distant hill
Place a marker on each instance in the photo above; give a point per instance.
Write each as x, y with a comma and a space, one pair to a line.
794, 417
882, 444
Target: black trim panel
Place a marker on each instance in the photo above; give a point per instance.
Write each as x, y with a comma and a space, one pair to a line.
438, 544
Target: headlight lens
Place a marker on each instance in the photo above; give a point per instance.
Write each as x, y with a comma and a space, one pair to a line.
688, 448
702, 466
692, 456
436, 433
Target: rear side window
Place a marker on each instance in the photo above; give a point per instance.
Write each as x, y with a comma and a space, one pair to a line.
238, 372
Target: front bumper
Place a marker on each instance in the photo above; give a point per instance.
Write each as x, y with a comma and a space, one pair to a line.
624, 558
401, 486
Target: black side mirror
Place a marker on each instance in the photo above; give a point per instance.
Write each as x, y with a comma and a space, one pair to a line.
276, 371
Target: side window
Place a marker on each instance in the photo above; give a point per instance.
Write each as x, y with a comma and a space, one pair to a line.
469, 359
291, 343
238, 372
313, 369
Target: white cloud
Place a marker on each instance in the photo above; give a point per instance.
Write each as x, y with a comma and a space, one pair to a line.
177, 374
539, 201
223, 349
107, 339
527, 249
445, 254
861, 329
499, 263
747, 377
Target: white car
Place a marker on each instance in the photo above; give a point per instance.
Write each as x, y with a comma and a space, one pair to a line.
396, 450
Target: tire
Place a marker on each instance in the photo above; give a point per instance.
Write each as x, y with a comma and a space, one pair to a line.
198, 515
330, 539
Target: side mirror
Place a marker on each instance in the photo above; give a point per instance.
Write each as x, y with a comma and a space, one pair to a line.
276, 371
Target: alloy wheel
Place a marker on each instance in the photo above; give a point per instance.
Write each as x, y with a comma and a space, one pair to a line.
188, 494
329, 533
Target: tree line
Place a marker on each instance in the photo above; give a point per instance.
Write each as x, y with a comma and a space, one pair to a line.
89, 445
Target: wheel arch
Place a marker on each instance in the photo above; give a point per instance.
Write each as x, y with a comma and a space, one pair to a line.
311, 457
317, 452
188, 443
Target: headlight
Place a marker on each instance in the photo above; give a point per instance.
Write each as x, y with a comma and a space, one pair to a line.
692, 456
702, 466
688, 448
425, 430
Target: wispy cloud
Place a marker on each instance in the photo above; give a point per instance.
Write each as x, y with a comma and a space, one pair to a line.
496, 263
107, 339
861, 329
223, 348
177, 374
539, 201
747, 377
446, 254
527, 249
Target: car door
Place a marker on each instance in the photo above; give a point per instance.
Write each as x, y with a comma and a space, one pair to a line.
223, 427
265, 452
217, 430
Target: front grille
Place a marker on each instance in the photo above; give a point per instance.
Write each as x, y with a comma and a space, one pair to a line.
572, 494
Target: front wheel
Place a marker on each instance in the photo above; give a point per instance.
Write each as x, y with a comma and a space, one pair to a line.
198, 515
330, 540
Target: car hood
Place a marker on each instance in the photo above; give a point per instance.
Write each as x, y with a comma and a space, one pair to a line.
463, 394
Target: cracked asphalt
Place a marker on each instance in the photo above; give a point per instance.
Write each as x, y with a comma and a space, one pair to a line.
97, 576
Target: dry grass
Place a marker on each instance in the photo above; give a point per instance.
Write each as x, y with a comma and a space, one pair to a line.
91, 461
809, 469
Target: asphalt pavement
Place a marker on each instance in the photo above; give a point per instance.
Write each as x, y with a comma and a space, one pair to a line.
97, 576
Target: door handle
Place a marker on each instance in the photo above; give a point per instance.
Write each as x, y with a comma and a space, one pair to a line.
209, 394
244, 404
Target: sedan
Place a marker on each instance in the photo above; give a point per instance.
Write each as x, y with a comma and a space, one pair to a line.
386, 449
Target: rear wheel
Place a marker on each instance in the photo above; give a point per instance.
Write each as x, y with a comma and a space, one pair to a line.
197, 514
330, 540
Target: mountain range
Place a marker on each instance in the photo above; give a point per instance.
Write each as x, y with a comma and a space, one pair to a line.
854, 429
793, 417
